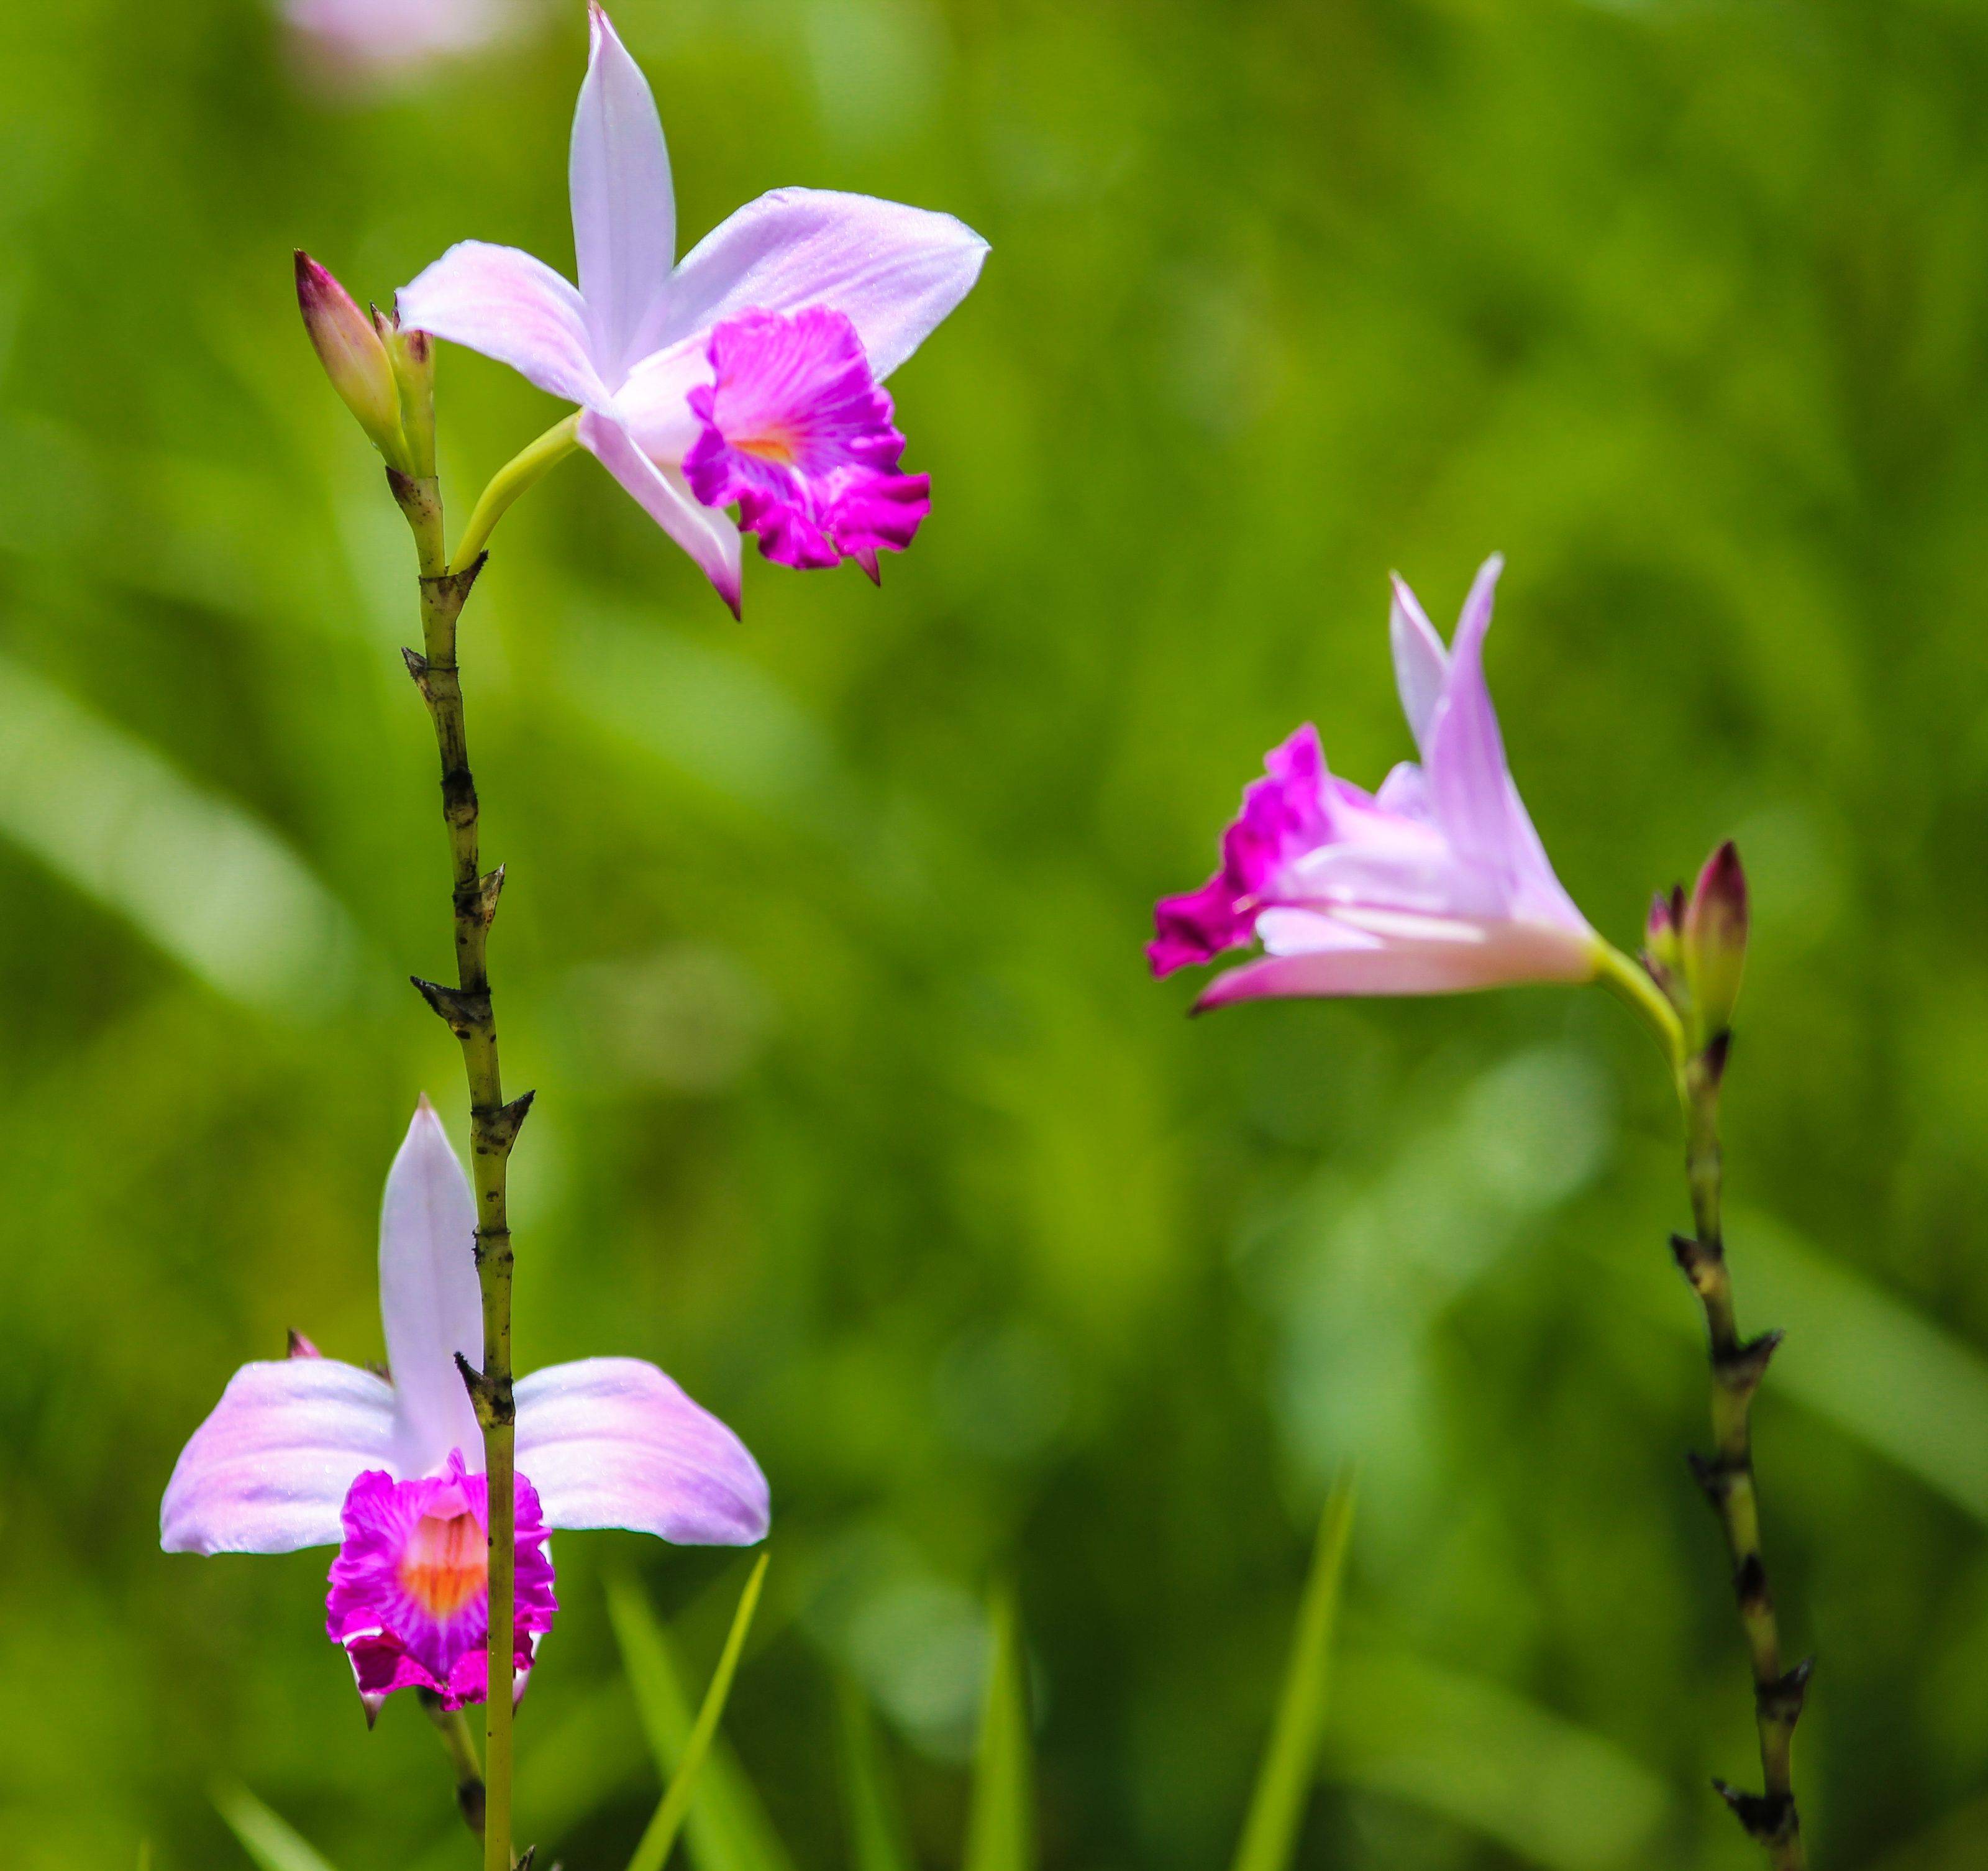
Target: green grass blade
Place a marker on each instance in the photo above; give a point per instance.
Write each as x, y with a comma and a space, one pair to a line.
566, 1773
109, 813
729, 1831
1001, 1828
1553, 1793
1291, 1760
728, 1828
266, 1838
876, 1831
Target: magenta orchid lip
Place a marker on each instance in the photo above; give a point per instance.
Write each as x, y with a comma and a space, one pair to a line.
785, 316
1436, 884
309, 1451
409, 1597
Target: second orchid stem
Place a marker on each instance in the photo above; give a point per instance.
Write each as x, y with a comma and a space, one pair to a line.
1727, 1475
494, 1124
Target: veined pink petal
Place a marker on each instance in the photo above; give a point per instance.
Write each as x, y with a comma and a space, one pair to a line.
611, 1442
1422, 664
431, 1303
503, 302
893, 272
706, 533
268, 1471
624, 211
1438, 957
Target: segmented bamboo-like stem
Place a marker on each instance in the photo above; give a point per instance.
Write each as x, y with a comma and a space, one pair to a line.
494, 1124
1727, 1475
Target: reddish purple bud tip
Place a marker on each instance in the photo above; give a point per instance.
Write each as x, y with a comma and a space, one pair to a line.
1721, 891
301, 1347
350, 347
1715, 941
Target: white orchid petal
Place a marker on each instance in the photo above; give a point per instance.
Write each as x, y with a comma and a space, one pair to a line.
623, 205
430, 1304
611, 1442
269, 1469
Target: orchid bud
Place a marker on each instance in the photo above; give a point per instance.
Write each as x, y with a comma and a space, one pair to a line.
411, 353
1715, 941
1662, 957
353, 358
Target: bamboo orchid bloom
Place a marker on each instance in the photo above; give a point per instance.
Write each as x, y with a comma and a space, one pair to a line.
307, 1451
748, 373
1436, 884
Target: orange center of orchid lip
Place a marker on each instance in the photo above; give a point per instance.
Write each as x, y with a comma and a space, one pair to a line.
446, 1563
781, 447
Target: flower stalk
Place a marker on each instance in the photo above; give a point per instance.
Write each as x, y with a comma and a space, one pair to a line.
534, 460
460, 1746
1694, 957
494, 1124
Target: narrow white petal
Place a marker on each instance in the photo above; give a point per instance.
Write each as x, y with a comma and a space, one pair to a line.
430, 1302
1422, 664
623, 206
706, 533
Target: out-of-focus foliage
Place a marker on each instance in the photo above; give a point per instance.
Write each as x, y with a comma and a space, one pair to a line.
821, 945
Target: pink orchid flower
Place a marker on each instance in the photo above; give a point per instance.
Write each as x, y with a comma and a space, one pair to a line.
1434, 885
310, 1452
748, 373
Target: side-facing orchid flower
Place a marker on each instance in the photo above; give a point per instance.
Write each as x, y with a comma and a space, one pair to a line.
749, 372
1436, 884
306, 1451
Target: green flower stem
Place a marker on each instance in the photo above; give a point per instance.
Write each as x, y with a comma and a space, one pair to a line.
1628, 982
527, 466
460, 1745
1737, 1366
494, 1124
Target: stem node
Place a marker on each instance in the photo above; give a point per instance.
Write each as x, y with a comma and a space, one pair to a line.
1769, 1818
1780, 1701
494, 1132
465, 1012
1741, 1368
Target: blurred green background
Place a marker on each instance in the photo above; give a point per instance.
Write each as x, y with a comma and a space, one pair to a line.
822, 945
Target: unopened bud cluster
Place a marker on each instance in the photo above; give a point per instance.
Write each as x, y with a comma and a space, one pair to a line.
1695, 948
383, 374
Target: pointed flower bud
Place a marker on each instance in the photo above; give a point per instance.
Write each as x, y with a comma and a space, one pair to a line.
1714, 942
1662, 957
411, 353
353, 358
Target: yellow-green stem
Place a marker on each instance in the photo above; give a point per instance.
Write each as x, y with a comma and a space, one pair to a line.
1629, 982
532, 461
493, 1124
